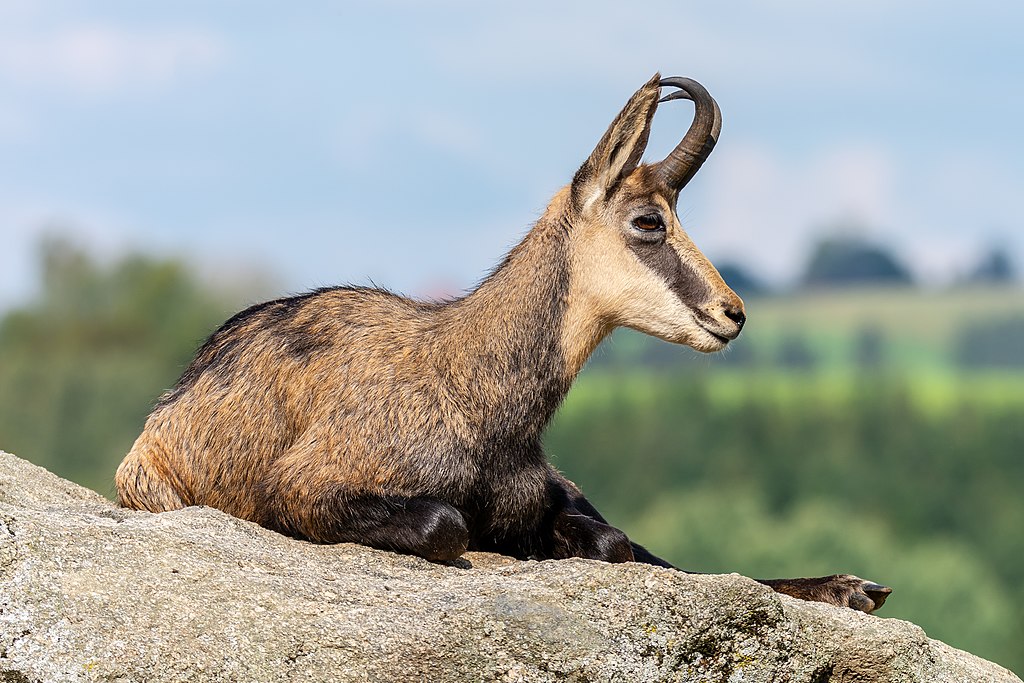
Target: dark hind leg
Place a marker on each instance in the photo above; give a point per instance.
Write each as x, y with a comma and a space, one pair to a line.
422, 526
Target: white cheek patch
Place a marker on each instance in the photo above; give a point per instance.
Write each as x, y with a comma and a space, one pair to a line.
614, 287
635, 296
655, 309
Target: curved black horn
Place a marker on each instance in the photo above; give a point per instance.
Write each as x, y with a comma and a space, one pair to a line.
683, 162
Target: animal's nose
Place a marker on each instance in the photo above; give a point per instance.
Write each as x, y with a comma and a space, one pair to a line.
729, 307
734, 312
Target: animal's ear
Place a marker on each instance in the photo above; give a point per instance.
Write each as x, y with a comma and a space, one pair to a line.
620, 149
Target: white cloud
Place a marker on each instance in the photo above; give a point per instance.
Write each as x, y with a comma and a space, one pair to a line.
96, 58
963, 202
766, 211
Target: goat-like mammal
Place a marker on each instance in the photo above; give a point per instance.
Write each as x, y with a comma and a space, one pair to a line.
353, 414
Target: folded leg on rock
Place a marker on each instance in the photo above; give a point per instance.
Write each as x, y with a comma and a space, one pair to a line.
416, 525
843, 590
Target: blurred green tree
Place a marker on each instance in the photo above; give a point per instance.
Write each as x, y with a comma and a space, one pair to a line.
741, 281
869, 348
795, 353
85, 361
939, 582
994, 268
850, 261
990, 343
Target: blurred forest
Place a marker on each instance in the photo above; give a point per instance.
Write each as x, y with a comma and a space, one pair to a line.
860, 424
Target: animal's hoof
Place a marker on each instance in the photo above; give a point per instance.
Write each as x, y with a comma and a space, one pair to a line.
875, 593
842, 590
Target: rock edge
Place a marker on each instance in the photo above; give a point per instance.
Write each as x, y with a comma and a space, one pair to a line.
91, 592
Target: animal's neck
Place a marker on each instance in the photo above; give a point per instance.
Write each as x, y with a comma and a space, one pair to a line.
517, 343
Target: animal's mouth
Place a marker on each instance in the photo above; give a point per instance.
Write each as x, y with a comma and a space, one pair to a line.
720, 331
723, 340
720, 338
709, 342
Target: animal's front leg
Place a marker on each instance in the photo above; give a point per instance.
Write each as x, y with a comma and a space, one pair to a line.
574, 534
843, 590
574, 505
584, 530
573, 528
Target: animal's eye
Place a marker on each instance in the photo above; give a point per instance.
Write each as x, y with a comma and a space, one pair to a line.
649, 222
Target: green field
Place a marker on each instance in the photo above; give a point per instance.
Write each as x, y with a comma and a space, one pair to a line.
937, 392
902, 329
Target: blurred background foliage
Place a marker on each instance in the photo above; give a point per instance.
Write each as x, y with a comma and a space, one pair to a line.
860, 424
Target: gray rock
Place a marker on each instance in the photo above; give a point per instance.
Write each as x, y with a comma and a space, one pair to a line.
90, 592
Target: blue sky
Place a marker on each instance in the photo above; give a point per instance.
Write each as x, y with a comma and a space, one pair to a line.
411, 144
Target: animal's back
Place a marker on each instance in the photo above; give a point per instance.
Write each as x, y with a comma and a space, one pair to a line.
325, 365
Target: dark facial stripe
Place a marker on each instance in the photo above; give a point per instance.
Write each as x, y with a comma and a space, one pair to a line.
680, 277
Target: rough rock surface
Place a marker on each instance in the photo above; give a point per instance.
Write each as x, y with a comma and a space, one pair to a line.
92, 592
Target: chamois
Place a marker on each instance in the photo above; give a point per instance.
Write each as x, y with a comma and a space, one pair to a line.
352, 414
